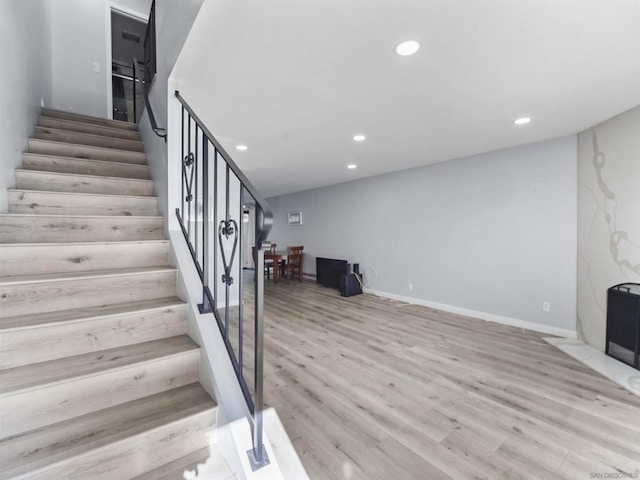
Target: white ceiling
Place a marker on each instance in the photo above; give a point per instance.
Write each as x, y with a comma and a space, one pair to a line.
295, 80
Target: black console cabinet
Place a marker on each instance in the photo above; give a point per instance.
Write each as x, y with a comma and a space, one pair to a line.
623, 323
328, 271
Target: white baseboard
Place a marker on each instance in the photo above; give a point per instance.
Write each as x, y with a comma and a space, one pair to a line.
489, 317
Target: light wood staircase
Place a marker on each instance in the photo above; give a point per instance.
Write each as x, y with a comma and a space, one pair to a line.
98, 378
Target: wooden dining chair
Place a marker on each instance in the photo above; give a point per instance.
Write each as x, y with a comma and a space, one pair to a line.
294, 261
268, 263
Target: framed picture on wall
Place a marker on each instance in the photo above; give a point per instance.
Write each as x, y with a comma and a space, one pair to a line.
295, 218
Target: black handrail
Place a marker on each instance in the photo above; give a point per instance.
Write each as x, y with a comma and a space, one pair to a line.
201, 153
161, 132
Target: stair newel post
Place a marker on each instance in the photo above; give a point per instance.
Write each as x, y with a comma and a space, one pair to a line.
205, 307
257, 455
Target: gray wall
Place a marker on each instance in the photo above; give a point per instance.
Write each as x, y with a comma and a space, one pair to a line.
25, 78
493, 234
608, 217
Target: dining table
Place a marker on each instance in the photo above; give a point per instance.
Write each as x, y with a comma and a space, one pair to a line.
279, 262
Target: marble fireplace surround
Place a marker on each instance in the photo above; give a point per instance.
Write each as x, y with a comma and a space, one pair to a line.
624, 375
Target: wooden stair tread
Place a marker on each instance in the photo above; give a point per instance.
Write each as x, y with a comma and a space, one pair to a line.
48, 277
79, 117
83, 194
38, 375
55, 443
84, 127
78, 148
72, 216
86, 136
82, 175
88, 313
87, 161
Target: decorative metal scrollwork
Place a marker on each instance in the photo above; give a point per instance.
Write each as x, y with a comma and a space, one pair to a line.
228, 228
188, 171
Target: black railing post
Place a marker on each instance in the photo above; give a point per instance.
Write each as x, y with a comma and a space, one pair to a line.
257, 456
135, 110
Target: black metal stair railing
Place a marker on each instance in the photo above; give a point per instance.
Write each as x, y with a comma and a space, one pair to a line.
142, 83
215, 193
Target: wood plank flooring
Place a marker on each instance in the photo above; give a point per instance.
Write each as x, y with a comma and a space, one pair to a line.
369, 388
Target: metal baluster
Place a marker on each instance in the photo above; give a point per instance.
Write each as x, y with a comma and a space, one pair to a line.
184, 178
227, 271
189, 202
205, 307
195, 202
216, 275
240, 281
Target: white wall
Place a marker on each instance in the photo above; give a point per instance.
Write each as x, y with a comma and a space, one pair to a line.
79, 38
608, 217
24, 80
492, 235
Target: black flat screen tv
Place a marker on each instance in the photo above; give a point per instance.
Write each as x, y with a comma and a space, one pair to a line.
328, 271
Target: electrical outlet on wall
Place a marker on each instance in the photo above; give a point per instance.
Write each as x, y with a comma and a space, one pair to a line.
96, 67
410, 286
546, 306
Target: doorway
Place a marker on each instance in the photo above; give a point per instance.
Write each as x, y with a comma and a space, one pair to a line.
127, 42
248, 235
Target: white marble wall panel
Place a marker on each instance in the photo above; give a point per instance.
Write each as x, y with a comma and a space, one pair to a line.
608, 217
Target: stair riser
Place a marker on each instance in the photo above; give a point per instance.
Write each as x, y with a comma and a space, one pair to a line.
135, 455
49, 342
75, 117
36, 229
82, 151
34, 259
88, 128
44, 133
52, 182
177, 468
52, 203
84, 167
34, 408
55, 295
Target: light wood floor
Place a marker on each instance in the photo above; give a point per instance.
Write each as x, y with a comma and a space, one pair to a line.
369, 389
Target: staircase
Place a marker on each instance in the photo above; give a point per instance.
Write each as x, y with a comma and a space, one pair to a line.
98, 378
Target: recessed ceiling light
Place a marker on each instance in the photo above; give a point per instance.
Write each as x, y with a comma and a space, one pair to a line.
241, 147
522, 121
351, 166
408, 47
359, 138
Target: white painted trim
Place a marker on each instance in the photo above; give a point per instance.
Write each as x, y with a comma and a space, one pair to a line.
107, 64
489, 317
